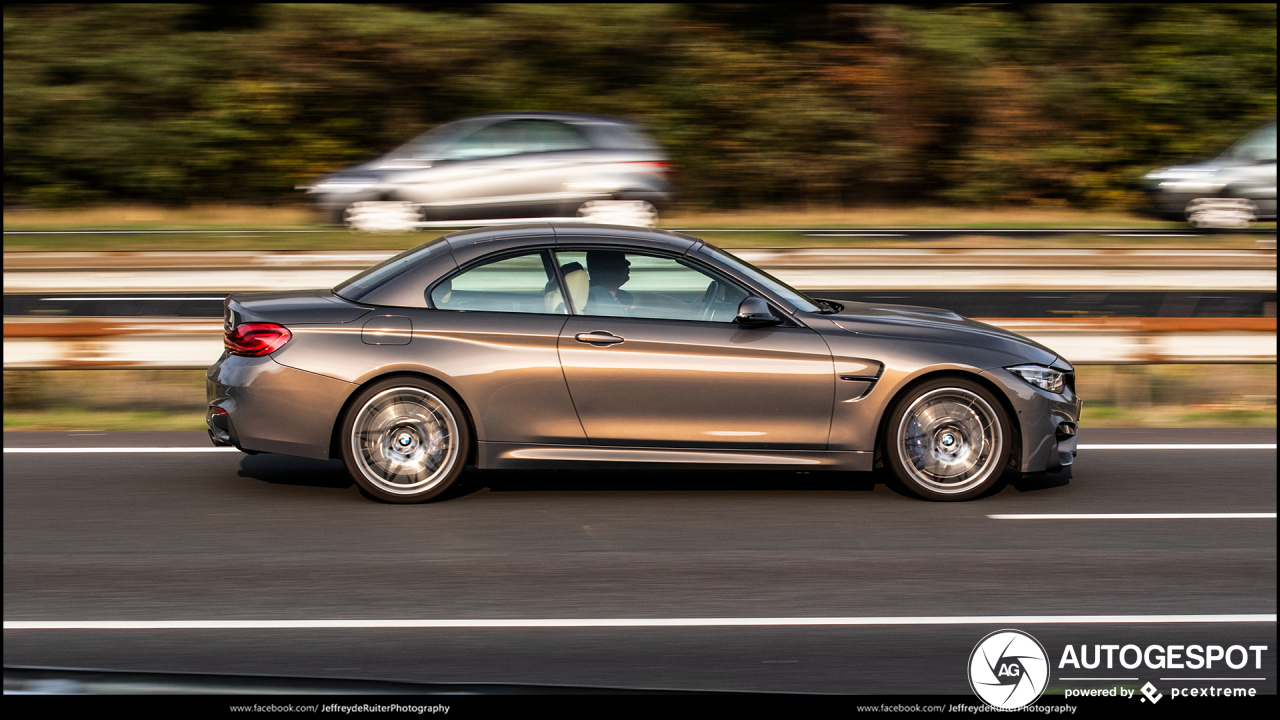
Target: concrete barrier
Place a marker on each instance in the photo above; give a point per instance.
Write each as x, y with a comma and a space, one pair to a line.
34, 343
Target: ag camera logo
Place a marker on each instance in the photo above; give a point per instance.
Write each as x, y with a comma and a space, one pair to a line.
1008, 669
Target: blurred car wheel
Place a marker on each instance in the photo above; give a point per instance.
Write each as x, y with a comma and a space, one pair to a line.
640, 213
948, 439
1221, 212
381, 216
405, 440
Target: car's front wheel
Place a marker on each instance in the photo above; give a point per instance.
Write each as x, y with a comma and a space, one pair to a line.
405, 440
947, 439
1221, 212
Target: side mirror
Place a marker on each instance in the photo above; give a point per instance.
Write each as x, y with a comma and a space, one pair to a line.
754, 312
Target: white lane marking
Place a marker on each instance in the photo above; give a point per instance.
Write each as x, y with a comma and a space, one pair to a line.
1194, 679
122, 450
1152, 235
1255, 446
1137, 516
831, 234
117, 297
1190, 446
623, 622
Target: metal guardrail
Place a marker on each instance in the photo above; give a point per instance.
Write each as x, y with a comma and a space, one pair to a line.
35, 342
864, 269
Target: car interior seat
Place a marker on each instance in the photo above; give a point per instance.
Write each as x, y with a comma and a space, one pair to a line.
578, 282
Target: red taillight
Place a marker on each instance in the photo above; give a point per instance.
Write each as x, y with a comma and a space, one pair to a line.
255, 339
654, 166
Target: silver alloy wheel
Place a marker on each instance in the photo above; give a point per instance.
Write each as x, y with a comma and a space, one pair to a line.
949, 440
405, 440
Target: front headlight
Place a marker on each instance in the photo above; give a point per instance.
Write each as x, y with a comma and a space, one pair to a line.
1042, 377
340, 188
1176, 173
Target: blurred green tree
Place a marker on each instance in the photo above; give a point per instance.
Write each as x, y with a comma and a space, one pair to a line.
825, 104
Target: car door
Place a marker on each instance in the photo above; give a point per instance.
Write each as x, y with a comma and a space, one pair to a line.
652, 358
493, 329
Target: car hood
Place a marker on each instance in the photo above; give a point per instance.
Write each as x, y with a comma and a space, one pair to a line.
1192, 171
378, 170
935, 325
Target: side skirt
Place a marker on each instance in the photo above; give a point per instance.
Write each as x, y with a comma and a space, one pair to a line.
504, 456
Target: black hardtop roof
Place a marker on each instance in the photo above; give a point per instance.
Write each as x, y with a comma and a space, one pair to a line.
471, 245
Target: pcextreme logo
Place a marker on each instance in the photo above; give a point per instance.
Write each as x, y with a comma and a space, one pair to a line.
1008, 669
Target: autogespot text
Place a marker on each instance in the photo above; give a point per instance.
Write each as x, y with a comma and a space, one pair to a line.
1161, 657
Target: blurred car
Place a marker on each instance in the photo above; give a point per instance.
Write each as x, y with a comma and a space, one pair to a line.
1231, 190
577, 345
520, 165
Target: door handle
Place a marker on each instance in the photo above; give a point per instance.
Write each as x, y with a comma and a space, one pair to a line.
599, 338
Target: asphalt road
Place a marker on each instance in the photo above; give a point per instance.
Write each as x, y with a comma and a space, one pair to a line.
223, 536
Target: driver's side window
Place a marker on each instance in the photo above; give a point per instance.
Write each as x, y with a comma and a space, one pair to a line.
620, 283
514, 137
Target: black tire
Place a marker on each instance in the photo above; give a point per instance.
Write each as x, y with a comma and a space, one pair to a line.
405, 440
947, 439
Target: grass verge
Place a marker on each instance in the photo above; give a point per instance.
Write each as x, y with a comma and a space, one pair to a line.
1177, 416
344, 240
240, 228
73, 419
144, 217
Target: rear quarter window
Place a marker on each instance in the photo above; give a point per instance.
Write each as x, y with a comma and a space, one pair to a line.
361, 284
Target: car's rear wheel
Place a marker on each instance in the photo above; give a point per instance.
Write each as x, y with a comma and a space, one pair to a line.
381, 216
639, 213
405, 440
947, 439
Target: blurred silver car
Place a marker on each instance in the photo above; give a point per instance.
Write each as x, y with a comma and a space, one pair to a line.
520, 165
1231, 190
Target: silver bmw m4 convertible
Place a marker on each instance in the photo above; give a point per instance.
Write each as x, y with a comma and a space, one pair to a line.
577, 346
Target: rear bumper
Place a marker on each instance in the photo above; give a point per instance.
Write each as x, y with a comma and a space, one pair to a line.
273, 408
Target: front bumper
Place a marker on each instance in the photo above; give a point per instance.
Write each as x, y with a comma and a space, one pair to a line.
1047, 422
1171, 205
332, 207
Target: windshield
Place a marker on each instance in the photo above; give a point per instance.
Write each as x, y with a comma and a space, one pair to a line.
798, 299
1257, 146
